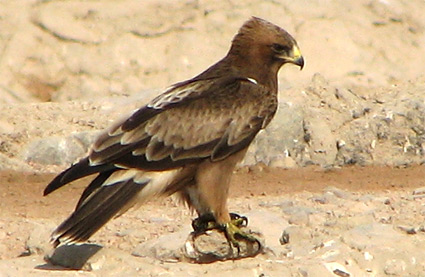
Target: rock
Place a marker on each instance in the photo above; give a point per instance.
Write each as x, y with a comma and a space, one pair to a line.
83, 256
419, 191
166, 248
85, 138
395, 267
299, 218
54, 151
9, 163
93, 257
200, 248
283, 162
305, 130
213, 246
286, 204
322, 142
339, 193
281, 143
326, 198
408, 230
337, 269
284, 238
299, 215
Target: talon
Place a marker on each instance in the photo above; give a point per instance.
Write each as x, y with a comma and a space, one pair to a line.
233, 232
240, 221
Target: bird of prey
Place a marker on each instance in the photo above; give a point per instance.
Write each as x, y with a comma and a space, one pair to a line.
186, 141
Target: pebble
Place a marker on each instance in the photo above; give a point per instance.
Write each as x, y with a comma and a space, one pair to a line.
299, 218
395, 267
408, 230
419, 191
289, 210
339, 192
337, 269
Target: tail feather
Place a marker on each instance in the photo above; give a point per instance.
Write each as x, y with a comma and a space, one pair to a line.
96, 209
77, 171
95, 184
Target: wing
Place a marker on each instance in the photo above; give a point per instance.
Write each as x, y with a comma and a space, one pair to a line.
194, 121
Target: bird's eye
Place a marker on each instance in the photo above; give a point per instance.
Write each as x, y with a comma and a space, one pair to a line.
279, 48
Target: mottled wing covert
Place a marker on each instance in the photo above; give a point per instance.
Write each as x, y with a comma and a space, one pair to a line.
192, 121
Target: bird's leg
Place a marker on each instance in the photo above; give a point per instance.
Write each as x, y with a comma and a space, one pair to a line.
232, 230
213, 179
204, 222
207, 222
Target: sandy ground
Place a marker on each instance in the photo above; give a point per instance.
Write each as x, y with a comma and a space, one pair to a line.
23, 207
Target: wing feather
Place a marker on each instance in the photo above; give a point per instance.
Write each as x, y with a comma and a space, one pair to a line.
157, 150
188, 123
135, 134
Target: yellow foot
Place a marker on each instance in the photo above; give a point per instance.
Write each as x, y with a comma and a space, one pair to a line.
234, 234
232, 230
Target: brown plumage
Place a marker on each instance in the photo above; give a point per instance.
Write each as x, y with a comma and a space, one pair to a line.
185, 141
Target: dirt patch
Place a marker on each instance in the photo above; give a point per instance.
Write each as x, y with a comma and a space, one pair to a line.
22, 199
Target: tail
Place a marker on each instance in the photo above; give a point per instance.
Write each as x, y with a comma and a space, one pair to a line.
77, 171
111, 194
100, 202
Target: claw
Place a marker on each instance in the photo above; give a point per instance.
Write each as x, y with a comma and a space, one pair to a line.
240, 221
232, 231
234, 234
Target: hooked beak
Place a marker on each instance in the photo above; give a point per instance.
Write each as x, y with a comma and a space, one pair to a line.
296, 58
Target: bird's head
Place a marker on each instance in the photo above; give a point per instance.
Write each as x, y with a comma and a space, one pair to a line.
263, 45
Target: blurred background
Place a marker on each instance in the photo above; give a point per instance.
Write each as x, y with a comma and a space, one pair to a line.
70, 68
63, 50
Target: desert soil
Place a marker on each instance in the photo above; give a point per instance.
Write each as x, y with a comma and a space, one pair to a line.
346, 152
257, 189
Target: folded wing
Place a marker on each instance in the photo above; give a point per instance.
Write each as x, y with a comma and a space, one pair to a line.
192, 121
